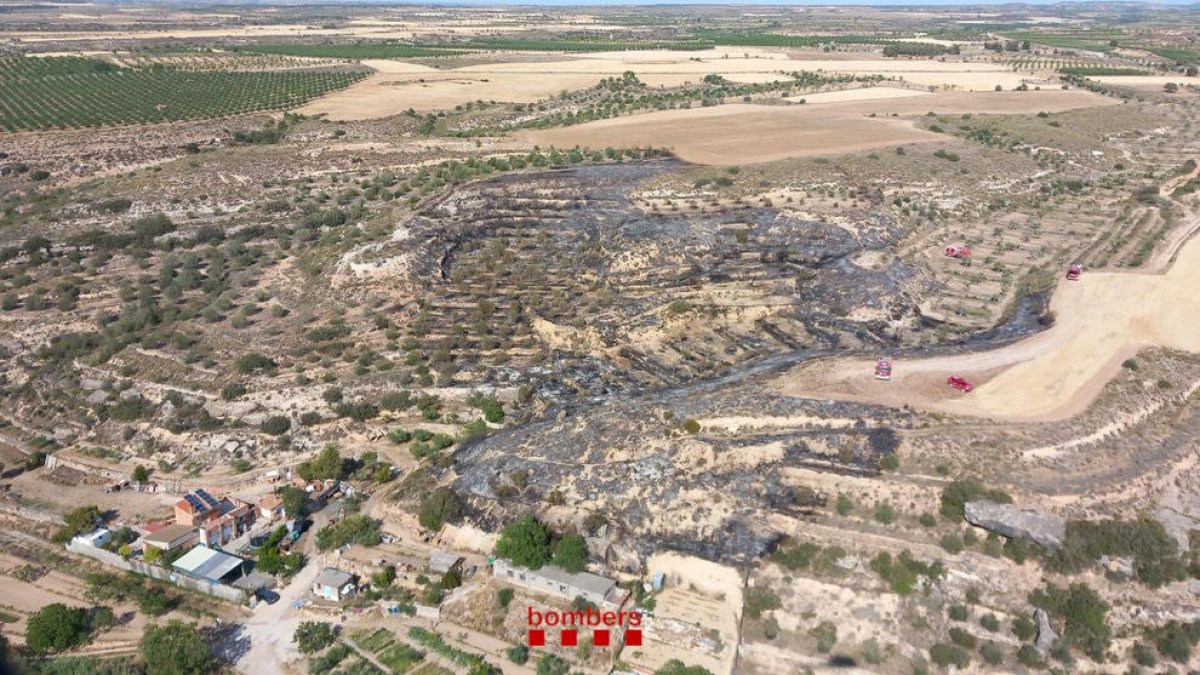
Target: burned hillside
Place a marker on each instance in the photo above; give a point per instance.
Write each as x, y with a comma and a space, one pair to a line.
700, 468
626, 295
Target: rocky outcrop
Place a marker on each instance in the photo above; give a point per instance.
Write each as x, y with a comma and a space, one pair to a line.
1007, 520
1046, 637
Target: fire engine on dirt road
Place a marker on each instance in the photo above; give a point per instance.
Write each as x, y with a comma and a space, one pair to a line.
958, 251
883, 368
959, 383
1074, 271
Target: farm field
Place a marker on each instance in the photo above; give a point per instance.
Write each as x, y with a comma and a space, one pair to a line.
53, 93
735, 134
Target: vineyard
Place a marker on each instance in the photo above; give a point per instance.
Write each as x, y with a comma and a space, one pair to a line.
66, 92
354, 50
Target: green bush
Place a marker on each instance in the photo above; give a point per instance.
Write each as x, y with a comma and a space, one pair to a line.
571, 553
959, 492
963, 638
439, 507
951, 543
990, 622
276, 425
992, 654
844, 504
946, 655
1024, 628
759, 600
1083, 614
885, 513
1155, 553
959, 612
313, 636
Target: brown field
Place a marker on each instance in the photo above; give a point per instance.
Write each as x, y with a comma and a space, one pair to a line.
737, 134
740, 134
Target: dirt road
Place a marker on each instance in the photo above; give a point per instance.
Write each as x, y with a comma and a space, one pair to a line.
1102, 319
271, 627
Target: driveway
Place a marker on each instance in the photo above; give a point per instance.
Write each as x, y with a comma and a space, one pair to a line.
271, 627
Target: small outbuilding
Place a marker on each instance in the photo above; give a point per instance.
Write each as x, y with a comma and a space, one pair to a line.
333, 584
208, 564
441, 562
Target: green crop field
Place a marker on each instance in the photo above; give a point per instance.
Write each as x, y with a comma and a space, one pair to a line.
353, 50
71, 92
569, 45
1091, 71
777, 40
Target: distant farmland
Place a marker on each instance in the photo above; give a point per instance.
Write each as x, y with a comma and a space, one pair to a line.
73, 92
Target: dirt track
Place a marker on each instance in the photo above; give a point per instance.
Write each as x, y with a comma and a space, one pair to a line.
1102, 319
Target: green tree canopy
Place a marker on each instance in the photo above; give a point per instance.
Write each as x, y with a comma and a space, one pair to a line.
525, 542
175, 648
571, 553
56, 627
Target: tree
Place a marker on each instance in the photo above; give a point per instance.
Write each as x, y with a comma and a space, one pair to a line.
176, 648
78, 521
439, 507
571, 553
550, 664
327, 464
56, 627
141, 474
295, 500
525, 542
313, 636
677, 667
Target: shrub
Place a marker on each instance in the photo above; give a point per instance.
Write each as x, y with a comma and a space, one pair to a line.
1083, 614
440, 506
759, 600
1144, 655
313, 636
1024, 628
946, 655
962, 638
844, 504
254, 363
1029, 657
518, 654
992, 654
231, 392
276, 425
927, 520
951, 543
959, 492
990, 622
1155, 553
504, 597
826, 635
78, 521
958, 612
885, 513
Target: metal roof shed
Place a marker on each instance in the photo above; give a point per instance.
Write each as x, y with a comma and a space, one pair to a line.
208, 564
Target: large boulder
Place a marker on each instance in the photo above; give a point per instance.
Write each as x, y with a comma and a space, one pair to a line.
1007, 520
1046, 637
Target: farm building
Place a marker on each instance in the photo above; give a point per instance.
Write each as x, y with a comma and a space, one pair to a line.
441, 562
210, 565
333, 584
96, 539
598, 590
171, 537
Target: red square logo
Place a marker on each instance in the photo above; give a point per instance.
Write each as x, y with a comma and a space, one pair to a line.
600, 637
537, 637
633, 637
569, 637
